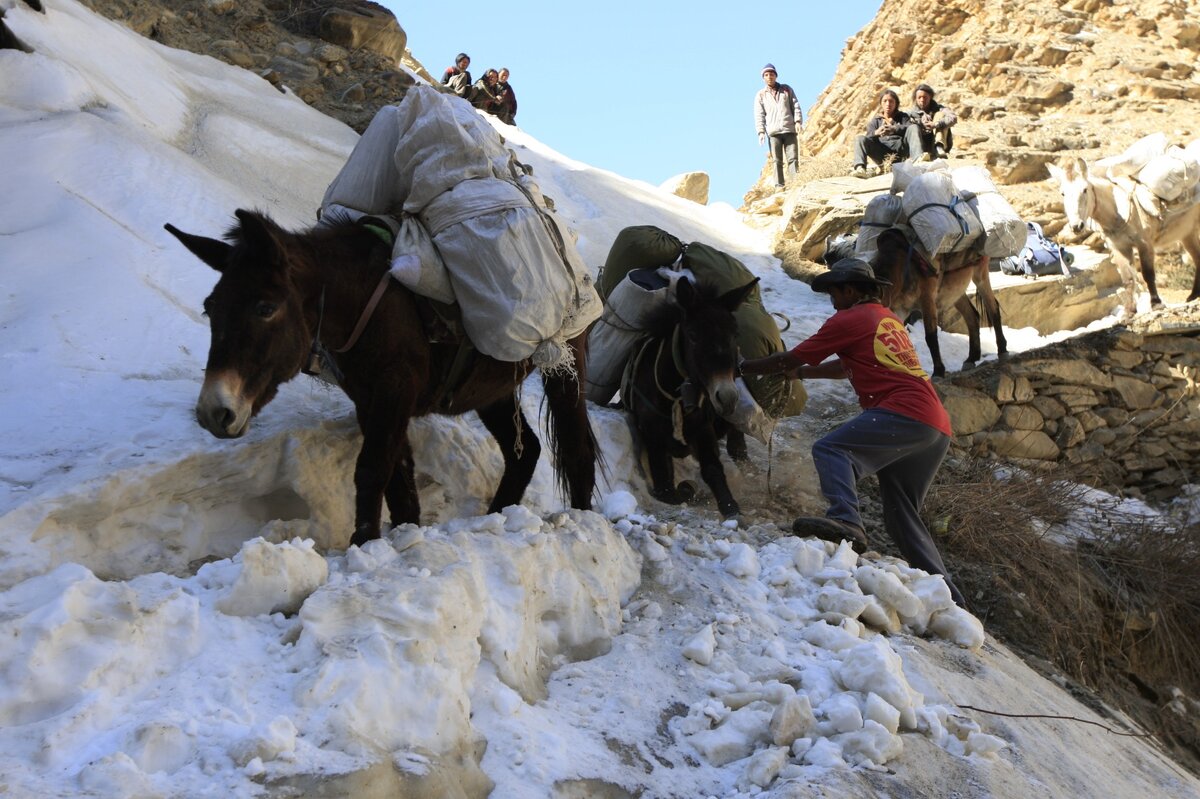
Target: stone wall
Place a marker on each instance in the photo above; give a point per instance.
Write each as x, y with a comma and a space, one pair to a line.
1118, 409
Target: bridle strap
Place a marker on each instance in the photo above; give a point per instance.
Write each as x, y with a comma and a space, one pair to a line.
366, 314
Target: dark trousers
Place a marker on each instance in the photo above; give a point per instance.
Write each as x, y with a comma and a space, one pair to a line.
905, 454
783, 145
908, 146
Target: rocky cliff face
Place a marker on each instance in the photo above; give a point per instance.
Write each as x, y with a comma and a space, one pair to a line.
1031, 80
339, 56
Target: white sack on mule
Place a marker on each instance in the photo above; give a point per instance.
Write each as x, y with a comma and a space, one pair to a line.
514, 270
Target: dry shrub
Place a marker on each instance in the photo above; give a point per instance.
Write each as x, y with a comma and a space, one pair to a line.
1116, 606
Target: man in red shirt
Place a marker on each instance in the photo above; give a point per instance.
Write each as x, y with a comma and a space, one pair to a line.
903, 432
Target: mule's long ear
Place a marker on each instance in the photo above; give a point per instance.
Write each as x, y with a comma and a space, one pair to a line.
733, 298
1057, 173
259, 233
1079, 165
212, 251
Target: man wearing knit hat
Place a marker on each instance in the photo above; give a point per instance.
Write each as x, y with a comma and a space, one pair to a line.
777, 114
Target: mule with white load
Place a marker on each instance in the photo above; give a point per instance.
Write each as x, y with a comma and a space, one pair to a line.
1092, 200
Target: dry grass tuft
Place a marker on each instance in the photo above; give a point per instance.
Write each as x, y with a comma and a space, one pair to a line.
1115, 606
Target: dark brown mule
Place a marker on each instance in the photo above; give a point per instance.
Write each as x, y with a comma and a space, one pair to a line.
931, 286
685, 369
265, 313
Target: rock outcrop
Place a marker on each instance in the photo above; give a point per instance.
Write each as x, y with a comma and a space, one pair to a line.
342, 57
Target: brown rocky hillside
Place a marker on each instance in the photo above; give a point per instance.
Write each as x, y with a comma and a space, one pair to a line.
1032, 81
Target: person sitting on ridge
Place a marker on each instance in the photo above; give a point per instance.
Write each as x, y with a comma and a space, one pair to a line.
933, 122
508, 98
457, 78
890, 132
483, 93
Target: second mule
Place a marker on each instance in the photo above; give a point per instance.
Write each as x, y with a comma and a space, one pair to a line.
679, 385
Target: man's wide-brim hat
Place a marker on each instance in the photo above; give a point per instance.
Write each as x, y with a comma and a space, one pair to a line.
848, 270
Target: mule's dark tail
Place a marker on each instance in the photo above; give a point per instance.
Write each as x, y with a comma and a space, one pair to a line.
573, 446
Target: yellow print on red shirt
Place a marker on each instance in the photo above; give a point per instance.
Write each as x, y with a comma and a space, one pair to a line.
894, 349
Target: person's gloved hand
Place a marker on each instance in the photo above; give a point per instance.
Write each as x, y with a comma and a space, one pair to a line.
762, 138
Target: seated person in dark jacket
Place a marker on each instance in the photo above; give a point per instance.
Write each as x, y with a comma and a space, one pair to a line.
890, 132
933, 122
507, 110
483, 93
457, 77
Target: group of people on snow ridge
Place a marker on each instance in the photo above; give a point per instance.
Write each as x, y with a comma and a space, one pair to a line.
491, 93
921, 133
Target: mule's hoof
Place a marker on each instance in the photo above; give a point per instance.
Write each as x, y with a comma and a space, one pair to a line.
685, 491
363, 534
729, 510
967, 366
1156, 303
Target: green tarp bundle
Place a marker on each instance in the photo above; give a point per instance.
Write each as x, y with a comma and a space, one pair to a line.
645, 246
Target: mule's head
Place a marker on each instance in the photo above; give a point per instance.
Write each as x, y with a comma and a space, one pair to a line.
708, 340
837, 248
259, 336
1078, 194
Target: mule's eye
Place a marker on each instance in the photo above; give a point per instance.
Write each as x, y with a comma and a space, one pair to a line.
266, 310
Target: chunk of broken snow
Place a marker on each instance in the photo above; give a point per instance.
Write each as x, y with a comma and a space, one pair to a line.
265, 742
618, 505
871, 745
274, 578
957, 625
980, 743
764, 767
874, 666
742, 561
701, 647
890, 591
736, 737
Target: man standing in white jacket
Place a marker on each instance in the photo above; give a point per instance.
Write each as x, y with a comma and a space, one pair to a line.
777, 114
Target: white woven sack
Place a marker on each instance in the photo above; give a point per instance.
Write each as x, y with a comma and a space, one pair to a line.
512, 265
903, 172
882, 212
1172, 174
611, 340
1004, 231
1136, 156
417, 264
941, 218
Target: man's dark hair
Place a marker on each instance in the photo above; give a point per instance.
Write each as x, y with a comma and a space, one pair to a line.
924, 87
894, 96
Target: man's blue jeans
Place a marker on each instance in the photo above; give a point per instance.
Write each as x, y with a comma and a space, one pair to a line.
905, 454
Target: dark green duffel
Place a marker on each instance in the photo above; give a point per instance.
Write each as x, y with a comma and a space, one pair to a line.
637, 247
758, 335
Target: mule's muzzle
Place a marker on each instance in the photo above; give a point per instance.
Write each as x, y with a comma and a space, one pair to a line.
221, 422
724, 396
221, 409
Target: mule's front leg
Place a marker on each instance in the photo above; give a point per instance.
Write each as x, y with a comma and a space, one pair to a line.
662, 470
929, 317
698, 428
1146, 256
971, 319
384, 465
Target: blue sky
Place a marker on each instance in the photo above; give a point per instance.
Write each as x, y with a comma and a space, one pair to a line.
649, 89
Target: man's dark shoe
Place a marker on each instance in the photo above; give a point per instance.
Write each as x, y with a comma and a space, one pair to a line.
833, 530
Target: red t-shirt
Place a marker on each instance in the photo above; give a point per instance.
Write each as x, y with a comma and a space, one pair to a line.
880, 362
